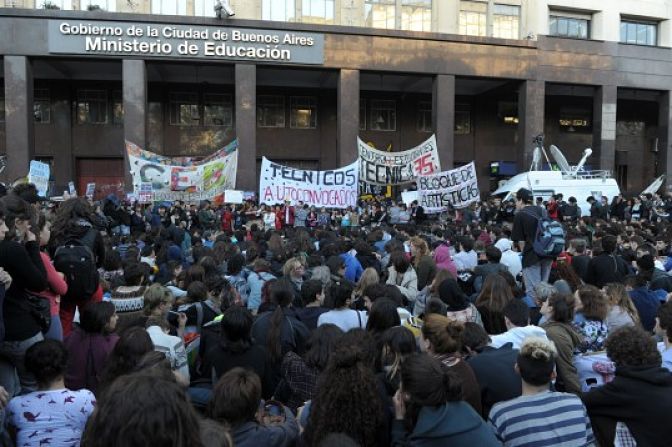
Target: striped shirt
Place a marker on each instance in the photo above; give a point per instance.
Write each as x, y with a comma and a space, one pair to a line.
545, 419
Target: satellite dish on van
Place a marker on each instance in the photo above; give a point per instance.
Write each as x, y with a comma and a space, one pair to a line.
655, 186
586, 153
560, 159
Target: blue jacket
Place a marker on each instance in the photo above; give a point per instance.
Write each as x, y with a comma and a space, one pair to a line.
454, 424
647, 302
353, 269
255, 282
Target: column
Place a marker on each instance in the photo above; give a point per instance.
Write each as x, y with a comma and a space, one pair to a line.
19, 116
246, 126
134, 79
443, 118
531, 103
348, 117
604, 125
665, 138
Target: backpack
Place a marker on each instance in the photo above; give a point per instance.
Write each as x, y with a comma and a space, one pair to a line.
76, 261
549, 240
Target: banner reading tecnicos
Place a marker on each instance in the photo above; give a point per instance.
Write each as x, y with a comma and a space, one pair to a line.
183, 178
331, 189
396, 168
457, 188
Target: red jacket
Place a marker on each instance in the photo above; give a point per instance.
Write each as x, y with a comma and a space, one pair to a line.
288, 215
227, 220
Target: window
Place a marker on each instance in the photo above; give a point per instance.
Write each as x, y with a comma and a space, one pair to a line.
380, 13
184, 109
383, 115
473, 18
639, 33
54, 4
318, 11
572, 120
105, 5
170, 7
204, 8
218, 110
91, 107
507, 111
424, 116
462, 122
2, 109
416, 15
41, 105
362, 114
303, 112
117, 108
573, 27
270, 111
506, 22
278, 10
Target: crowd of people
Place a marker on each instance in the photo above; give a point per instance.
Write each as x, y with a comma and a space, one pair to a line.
173, 324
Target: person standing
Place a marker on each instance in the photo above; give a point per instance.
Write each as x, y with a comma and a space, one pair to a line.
536, 269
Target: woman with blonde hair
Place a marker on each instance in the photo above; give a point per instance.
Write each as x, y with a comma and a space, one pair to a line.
494, 295
293, 271
424, 265
369, 277
442, 339
622, 311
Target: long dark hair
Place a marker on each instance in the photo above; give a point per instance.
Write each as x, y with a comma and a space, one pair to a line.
132, 345
427, 384
321, 345
143, 409
67, 213
346, 400
235, 330
282, 295
95, 317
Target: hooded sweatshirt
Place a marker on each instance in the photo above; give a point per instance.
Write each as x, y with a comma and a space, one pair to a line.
566, 339
455, 424
639, 396
443, 260
510, 258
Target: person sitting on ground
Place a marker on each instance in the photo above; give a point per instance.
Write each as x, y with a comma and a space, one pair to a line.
312, 294
429, 410
90, 345
664, 330
540, 414
341, 315
510, 258
491, 301
646, 301
640, 394
622, 311
607, 267
442, 339
52, 415
143, 409
589, 321
458, 306
132, 345
493, 256
172, 347
128, 299
402, 275
558, 310
517, 319
466, 259
236, 403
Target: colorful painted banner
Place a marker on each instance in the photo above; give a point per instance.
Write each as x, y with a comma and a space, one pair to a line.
396, 168
332, 189
456, 188
183, 178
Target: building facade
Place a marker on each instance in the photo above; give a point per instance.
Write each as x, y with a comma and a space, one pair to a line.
485, 76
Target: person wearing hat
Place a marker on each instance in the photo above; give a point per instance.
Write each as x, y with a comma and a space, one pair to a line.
535, 268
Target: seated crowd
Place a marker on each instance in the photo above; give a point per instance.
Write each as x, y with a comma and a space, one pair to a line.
176, 325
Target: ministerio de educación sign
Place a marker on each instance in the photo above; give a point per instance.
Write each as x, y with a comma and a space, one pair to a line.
184, 41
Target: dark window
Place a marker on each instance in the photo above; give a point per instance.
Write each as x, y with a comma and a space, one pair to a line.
362, 114
425, 116
270, 111
184, 109
383, 115
303, 112
41, 105
462, 122
218, 110
117, 108
91, 107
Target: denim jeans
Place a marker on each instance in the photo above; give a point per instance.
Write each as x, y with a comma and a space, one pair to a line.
535, 274
15, 352
55, 331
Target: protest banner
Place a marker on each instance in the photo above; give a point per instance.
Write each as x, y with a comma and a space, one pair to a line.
456, 188
38, 174
71, 189
396, 168
233, 196
183, 178
336, 188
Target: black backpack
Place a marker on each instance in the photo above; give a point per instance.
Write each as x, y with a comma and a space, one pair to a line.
76, 261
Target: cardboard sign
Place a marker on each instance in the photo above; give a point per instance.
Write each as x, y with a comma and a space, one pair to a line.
39, 175
457, 188
396, 168
332, 189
